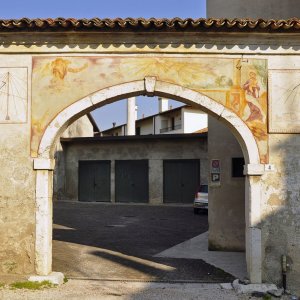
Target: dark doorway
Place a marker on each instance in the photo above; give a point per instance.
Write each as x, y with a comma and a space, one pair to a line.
94, 181
132, 181
181, 180
173, 123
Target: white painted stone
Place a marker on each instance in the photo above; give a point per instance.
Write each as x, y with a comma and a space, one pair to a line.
226, 286
43, 241
59, 124
235, 283
255, 194
54, 278
150, 85
43, 244
118, 92
249, 288
254, 257
276, 293
188, 96
43, 185
243, 135
254, 169
43, 164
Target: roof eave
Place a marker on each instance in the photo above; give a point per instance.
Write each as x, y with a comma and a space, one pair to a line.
149, 25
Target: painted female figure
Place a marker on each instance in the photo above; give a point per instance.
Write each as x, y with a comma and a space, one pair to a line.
252, 89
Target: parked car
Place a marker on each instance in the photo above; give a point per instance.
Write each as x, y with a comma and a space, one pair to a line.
201, 199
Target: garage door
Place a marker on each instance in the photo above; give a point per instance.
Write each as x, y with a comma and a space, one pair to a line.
131, 181
181, 179
94, 181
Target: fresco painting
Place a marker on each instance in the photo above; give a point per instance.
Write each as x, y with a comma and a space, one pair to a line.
240, 85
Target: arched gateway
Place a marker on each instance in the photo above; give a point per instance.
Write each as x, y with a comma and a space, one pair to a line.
243, 72
43, 164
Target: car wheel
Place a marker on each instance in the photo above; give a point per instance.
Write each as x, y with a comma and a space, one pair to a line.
196, 211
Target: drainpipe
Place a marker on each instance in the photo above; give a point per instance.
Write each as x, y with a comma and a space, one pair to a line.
284, 269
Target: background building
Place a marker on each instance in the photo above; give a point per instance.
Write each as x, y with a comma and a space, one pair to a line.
152, 169
149, 166
168, 120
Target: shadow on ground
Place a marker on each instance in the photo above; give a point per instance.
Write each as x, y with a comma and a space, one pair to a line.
118, 242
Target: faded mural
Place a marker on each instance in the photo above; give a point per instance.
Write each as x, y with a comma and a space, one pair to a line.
240, 85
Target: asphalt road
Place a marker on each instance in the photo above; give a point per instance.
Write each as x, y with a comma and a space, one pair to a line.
118, 242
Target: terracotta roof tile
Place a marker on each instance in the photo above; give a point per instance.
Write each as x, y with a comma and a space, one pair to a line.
152, 24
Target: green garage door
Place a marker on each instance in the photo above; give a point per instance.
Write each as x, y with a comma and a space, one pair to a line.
94, 181
131, 181
181, 180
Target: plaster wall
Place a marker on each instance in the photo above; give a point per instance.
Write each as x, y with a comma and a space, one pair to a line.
17, 188
146, 126
154, 150
281, 209
226, 206
271, 9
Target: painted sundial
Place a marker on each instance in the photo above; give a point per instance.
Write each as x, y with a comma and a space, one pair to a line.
284, 106
13, 95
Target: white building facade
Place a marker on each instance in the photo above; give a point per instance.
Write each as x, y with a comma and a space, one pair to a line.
180, 120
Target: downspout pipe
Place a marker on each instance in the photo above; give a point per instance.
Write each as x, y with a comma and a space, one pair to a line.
284, 270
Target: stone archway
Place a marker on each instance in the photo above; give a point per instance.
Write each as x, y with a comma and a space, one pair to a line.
44, 163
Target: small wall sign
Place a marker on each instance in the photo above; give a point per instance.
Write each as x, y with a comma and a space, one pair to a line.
215, 166
215, 171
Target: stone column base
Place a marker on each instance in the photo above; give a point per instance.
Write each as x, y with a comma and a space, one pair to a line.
54, 278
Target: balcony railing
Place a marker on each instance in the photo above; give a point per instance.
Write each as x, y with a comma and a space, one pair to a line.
167, 129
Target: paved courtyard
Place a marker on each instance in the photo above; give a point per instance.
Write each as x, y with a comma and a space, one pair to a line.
123, 242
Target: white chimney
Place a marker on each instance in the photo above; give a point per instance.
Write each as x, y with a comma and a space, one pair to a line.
162, 104
136, 112
131, 116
